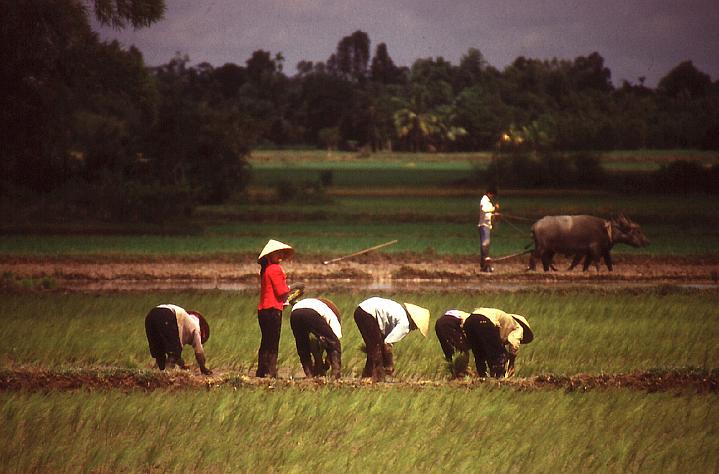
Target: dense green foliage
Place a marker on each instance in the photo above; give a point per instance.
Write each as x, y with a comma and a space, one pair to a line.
88, 122
100, 135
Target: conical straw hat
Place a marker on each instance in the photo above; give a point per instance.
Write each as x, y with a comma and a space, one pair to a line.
420, 316
276, 246
527, 334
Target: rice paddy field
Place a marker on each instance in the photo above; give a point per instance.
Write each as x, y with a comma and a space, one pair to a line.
676, 226
352, 169
620, 377
436, 424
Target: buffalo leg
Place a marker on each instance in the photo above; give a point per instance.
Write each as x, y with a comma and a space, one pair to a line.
547, 258
575, 261
608, 260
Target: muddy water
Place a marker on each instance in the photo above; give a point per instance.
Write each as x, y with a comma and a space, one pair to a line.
372, 285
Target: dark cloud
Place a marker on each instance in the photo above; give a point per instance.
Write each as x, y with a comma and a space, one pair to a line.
636, 38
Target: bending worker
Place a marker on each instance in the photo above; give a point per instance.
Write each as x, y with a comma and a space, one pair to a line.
453, 341
168, 327
320, 318
487, 210
383, 322
494, 337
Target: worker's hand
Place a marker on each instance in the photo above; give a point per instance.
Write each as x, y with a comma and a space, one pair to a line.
296, 291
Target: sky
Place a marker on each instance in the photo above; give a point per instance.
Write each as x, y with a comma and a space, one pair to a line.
636, 38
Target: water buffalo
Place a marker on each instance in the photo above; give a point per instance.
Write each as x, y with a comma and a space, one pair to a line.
582, 236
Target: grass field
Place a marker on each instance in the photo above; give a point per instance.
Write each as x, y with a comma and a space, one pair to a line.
336, 430
422, 422
446, 225
576, 331
370, 428
398, 169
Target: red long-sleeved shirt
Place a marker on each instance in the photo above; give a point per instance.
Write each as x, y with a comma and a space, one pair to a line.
273, 284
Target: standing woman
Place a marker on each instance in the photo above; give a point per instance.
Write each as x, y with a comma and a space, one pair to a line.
273, 294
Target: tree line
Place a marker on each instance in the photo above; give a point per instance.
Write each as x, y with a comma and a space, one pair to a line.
90, 118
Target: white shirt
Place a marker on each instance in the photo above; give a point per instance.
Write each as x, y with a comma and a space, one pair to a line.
188, 327
486, 208
461, 315
323, 310
391, 317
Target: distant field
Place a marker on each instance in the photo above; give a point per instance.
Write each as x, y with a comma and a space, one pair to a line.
441, 169
447, 225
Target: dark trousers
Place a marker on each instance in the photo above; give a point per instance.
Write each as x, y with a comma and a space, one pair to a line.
379, 354
163, 336
483, 338
305, 322
452, 339
270, 326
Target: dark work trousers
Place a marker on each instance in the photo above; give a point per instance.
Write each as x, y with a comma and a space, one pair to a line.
307, 321
379, 354
483, 338
452, 339
163, 336
270, 326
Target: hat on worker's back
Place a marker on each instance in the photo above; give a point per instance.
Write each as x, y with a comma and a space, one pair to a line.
204, 327
420, 316
276, 246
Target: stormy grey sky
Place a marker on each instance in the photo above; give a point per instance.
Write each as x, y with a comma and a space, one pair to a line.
635, 37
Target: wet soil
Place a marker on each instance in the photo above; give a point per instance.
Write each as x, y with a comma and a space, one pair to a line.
378, 271
36, 380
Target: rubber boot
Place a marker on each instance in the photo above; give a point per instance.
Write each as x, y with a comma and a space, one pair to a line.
307, 369
272, 365
388, 359
367, 371
316, 351
481, 365
336, 364
486, 261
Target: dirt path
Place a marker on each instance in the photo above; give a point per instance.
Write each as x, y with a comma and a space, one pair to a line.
628, 271
701, 382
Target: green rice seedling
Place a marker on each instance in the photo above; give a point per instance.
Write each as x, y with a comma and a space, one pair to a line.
577, 331
366, 429
445, 225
